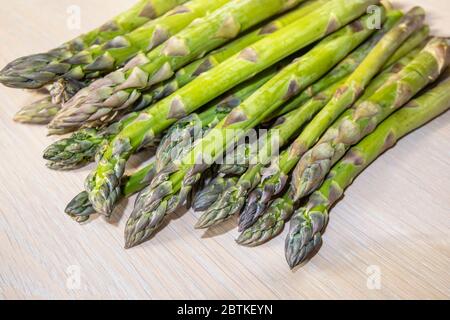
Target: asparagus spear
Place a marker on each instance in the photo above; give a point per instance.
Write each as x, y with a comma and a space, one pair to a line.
309, 222
81, 147
344, 98
80, 208
260, 224
39, 112
171, 187
182, 135
120, 89
35, 71
363, 118
193, 70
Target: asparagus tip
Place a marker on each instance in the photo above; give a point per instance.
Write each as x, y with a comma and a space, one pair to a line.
132, 240
243, 240
203, 223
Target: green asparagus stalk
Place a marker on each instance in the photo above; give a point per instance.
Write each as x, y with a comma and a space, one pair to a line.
81, 147
119, 90
363, 118
171, 187
194, 69
61, 91
344, 98
35, 71
39, 112
415, 40
262, 225
309, 222
182, 136
80, 208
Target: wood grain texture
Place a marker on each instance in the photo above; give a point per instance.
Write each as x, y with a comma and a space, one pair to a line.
395, 217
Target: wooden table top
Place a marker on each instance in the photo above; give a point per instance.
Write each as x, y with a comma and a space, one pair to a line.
388, 238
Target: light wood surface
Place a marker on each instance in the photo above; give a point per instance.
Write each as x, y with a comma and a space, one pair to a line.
394, 219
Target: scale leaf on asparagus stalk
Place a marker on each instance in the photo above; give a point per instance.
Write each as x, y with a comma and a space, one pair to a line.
118, 91
37, 70
309, 223
260, 226
346, 95
171, 187
364, 117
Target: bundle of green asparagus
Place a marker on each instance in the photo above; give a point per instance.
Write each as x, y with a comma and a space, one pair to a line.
251, 105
